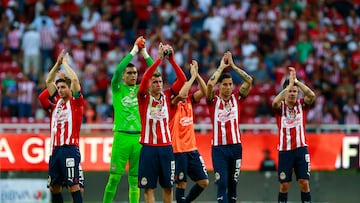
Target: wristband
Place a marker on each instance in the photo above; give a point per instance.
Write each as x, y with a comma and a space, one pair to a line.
144, 53
134, 50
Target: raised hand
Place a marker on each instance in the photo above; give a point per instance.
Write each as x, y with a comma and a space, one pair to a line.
161, 50
140, 42
194, 68
65, 59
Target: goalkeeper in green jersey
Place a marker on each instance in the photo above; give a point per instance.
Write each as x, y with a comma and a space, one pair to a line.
127, 125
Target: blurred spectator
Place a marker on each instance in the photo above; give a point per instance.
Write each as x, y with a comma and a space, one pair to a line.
30, 47
48, 38
168, 20
351, 111
26, 93
129, 22
267, 164
103, 31
196, 18
214, 24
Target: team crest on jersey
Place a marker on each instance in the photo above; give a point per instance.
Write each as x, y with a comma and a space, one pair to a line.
282, 176
144, 181
227, 107
292, 113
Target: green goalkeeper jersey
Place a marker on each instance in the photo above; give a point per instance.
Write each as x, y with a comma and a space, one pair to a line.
124, 97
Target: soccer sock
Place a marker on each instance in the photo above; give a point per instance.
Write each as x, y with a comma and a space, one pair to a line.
282, 198
77, 198
194, 193
305, 197
134, 190
111, 188
57, 198
180, 195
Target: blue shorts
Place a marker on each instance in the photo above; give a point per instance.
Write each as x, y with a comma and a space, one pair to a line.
156, 162
64, 166
189, 164
297, 160
226, 162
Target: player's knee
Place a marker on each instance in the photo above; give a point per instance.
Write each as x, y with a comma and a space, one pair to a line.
304, 185
181, 185
114, 178
55, 189
203, 183
284, 187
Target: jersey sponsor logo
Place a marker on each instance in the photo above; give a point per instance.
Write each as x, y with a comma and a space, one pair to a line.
62, 114
129, 101
225, 115
282, 176
186, 121
157, 112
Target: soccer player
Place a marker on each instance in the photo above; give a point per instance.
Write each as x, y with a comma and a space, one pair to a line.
156, 156
224, 109
290, 112
127, 125
66, 119
188, 161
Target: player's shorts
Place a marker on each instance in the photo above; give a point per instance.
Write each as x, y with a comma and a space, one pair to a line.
189, 164
226, 161
156, 162
126, 147
64, 166
297, 160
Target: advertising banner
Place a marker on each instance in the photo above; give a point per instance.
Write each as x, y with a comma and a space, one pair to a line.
31, 152
24, 191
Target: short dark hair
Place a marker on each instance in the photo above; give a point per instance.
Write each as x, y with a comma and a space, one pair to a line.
65, 80
130, 65
157, 74
224, 76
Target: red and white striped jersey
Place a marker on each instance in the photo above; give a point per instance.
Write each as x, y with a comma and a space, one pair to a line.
291, 125
154, 116
225, 118
66, 119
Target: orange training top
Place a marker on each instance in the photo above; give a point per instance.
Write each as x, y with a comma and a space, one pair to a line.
182, 127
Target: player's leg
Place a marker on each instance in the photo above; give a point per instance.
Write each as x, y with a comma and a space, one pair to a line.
286, 163
221, 172
148, 171
134, 190
55, 180
180, 176
119, 156
166, 178
302, 171
70, 169
234, 171
197, 172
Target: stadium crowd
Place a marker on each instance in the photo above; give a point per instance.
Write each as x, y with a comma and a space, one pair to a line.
321, 39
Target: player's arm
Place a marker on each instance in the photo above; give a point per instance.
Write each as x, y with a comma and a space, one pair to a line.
119, 71
44, 99
75, 83
50, 85
141, 43
184, 91
246, 85
144, 84
180, 75
308, 93
214, 78
201, 83
281, 96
